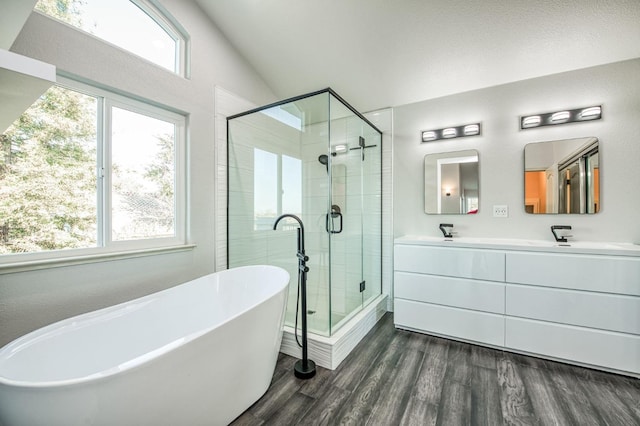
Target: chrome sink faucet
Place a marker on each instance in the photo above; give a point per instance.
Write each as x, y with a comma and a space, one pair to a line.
447, 230
562, 238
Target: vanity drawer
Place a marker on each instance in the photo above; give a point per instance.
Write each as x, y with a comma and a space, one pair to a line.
609, 274
453, 322
597, 310
453, 262
596, 347
456, 292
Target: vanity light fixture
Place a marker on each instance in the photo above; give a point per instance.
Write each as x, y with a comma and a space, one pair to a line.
473, 129
561, 117
591, 113
449, 132
531, 121
429, 135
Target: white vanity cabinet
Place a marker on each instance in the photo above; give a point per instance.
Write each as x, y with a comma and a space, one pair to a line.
583, 308
548, 301
450, 292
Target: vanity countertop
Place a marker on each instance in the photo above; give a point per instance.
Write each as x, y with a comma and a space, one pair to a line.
579, 247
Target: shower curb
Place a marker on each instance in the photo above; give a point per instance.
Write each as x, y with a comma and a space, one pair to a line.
329, 352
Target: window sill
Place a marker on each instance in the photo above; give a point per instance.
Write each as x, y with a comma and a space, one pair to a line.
36, 264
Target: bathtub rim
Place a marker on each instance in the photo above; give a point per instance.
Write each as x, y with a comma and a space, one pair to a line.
141, 359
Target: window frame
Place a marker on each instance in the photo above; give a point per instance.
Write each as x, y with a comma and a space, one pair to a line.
161, 16
105, 248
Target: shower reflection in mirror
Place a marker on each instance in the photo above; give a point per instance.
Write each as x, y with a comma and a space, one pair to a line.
451, 183
562, 176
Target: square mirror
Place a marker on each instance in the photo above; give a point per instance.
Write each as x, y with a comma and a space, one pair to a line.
562, 176
451, 182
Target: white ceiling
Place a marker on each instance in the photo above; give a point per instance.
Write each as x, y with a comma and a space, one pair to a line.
380, 53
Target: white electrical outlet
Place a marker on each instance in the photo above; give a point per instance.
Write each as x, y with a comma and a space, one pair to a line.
500, 211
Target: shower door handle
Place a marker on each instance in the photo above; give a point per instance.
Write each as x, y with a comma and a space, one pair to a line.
334, 214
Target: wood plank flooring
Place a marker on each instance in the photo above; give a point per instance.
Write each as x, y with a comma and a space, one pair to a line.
395, 377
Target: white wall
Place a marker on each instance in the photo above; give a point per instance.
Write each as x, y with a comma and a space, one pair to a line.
614, 86
31, 299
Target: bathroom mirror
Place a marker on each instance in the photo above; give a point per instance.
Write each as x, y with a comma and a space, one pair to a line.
562, 177
451, 182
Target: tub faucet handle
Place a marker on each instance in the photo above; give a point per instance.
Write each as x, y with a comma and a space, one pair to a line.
563, 237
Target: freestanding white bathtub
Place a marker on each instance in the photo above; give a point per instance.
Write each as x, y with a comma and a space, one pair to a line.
197, 354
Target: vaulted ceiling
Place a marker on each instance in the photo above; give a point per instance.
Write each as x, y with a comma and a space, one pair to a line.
379, 53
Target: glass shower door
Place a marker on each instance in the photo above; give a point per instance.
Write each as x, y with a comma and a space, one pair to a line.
352, 219
344, 217
355, 191
371, 216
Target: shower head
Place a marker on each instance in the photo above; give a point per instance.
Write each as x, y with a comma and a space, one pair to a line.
324, 159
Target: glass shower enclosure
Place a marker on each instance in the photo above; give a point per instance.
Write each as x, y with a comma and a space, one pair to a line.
316, 157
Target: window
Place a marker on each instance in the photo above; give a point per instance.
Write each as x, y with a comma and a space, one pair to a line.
142, 176
87, 169
134, 25
277, 182
48, 175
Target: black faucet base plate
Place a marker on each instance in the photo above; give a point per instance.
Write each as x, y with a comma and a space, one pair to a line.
301, 372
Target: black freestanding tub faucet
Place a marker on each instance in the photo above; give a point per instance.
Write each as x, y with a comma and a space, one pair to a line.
304, 368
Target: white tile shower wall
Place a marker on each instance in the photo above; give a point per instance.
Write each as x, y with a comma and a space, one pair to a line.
315, 202
249, 250
241, 156
317, 205
258, 131
241, 180
225, 104
341, 282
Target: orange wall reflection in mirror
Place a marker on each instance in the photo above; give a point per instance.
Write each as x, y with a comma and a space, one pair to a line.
535, 187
